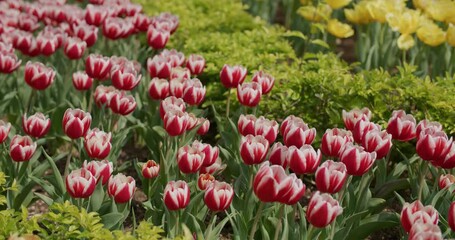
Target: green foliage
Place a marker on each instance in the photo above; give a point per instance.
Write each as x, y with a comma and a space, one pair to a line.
316, 88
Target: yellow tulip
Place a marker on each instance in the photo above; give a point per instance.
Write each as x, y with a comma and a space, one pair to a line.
405, 22
440, 10
335, 4
380, 8
405, 42
421, 4
451, 35
339, 29
431, 34
315, 14
358, 15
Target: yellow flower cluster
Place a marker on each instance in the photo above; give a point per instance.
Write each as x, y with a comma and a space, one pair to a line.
322, 13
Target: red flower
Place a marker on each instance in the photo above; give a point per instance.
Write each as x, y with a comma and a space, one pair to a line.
322, 210
267, 128
159, 88
97, 143
8, 62
81, 81
126, 77
157, 38
279, 155
211, 153
231, 77
402, 126
190, 159
4, 130
204, 180
36, 125
171, 103
80, 183
356, 159
101, 170
451, 217
334, 140
425, 231
446, 180
76, 123
121, 187
265, 80
304, 160
415, 212
87, 33
38, 76
74, 47
249, 94
176, 195
95, 14
150, 169
175, 122
361, 128
195, 64
159, 67
204, 126
218, 196
331, 176
297, 133
194, 91
352, 117
21, 148
431, 144
97, 66
253, 149
377, 141
121, 103
246, 123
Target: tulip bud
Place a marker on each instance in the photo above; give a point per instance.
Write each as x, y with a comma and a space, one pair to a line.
402, 126
81, 81
190, 159
97, 66
121, 187
194, 91
304, 160
27, 22
159, 67
211, 153
195, 64
181, 73
21, 148
88, 33
232, 76
271, 183
415, 212
214, 168
297, 133
4, 130
253, 149
47, 43
150, 169
103, 95
38, 76
265, 80
249, 94
334, 140
74, 47
204, 180
447, 158
80, 183
101, 170
175, 122
279, 155
157, 38
76, 123
218, 196
266, 128
97, 143
176, 195
171, 103
427, 231
177, 86
192, 121
125, 78
377, 141
352, 117
141, 22
295, 192
356, 159
431, 144
8, 62
361, 128
174, 57
446, 180
330, 176
246, 124
204, 126
169, 18
115, 28
121, 103
322, 210
36, 125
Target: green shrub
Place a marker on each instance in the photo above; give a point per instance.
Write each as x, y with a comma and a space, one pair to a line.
316, 88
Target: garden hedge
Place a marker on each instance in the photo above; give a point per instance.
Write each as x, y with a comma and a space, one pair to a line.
317, 88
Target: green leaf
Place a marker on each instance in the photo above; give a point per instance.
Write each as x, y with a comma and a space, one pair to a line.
97, 198
321, 43
374, 223
110, 220
49, 201
57, 176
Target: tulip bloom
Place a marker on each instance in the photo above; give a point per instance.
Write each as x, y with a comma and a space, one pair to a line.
195, 64
331, 176
97, 66
446, 180
95, 14
80, 183
157, 38
88, 33
339, 29
181, 73
194, 91
171, 103
377, 141
279, 155
176, 195
352, 117
232, 76
76, 123
204, 126
36, 125
424, 124
267, 128
190, 159
101, 170
81, 81
218, 196
253, 149
265, 80
121, 188
97, 143
103, 95
121, 103
4, 130
175, 122
297, 133
159, 67
402, 126
174, 57
356, 159
125, 78
304, 160
74, 47
427, 231
322, 210
415, 212
38, 76
431, 144
249, 94
21, 148
8, 62
361, 128
204, 180
451, 216
150, 169
245, 124
211, 153
334, 140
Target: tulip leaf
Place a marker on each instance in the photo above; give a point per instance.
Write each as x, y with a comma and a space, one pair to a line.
97, 198
376, 205
264, 233
57, 176
387, 189
321, 43
24, 194
374, 223
49, 201
110, 220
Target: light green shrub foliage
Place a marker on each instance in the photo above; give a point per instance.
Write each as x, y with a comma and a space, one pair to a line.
316, 89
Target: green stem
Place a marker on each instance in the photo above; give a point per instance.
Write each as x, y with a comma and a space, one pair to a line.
423, 173
210, 227
280, 222
17, 170
228, 103
29, 102
177, 223
68, 160
256, 220
309, 233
